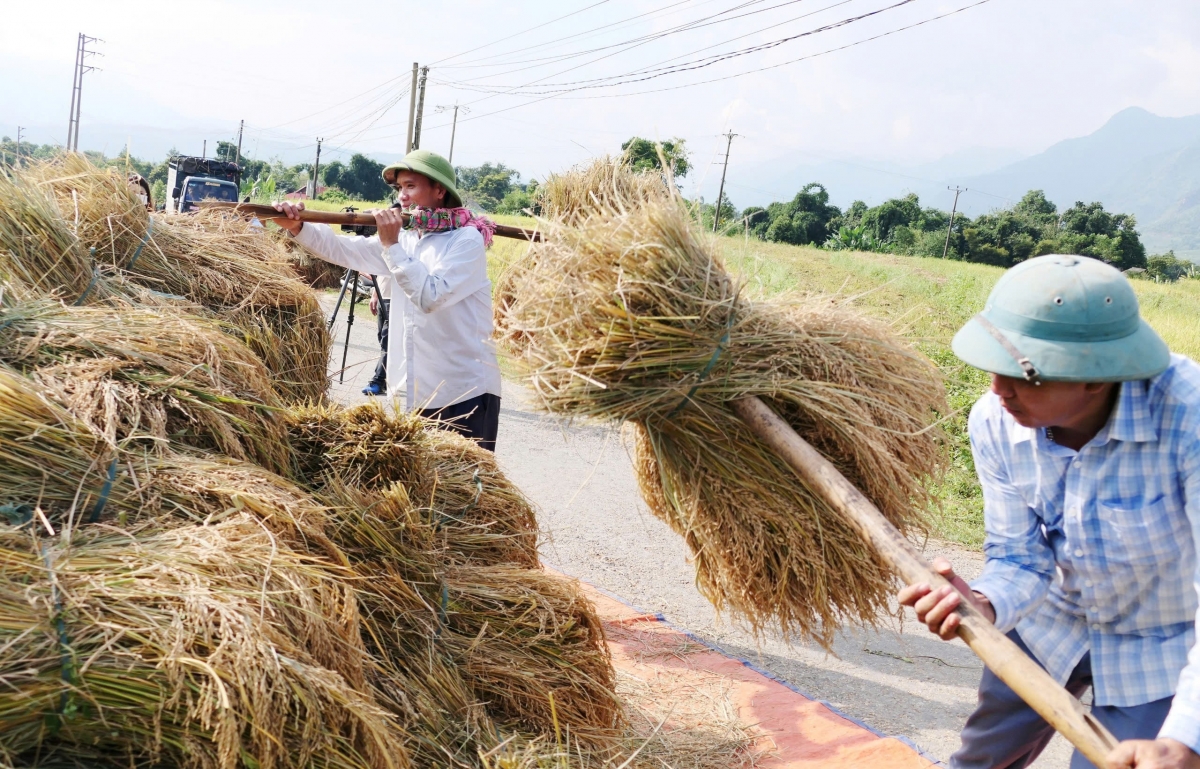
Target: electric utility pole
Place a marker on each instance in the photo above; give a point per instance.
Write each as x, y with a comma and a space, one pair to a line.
238, 158
412, 109
81, 69
453, 124
721, 190
416, 138
316, 169
20, 129
953, 209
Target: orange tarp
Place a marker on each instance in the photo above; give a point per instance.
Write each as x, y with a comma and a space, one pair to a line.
795, 731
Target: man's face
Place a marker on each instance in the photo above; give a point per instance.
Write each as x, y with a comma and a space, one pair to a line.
418, 190
1047, 404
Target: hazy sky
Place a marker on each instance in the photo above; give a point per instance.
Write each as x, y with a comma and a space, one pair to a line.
1007, 74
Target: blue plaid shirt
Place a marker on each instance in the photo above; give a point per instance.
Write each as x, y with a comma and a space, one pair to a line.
1095, 550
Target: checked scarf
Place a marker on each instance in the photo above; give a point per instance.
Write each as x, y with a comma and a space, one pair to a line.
444, 219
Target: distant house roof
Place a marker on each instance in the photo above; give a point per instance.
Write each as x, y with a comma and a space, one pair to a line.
302, 193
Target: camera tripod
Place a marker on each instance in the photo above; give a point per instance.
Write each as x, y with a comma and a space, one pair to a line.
350, 281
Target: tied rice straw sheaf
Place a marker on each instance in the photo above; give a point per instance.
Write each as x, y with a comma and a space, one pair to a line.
191, 646
534, 650
151, 376
629, 315
476, 513
240, 273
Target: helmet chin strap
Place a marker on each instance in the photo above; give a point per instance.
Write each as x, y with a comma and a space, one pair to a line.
1030, 371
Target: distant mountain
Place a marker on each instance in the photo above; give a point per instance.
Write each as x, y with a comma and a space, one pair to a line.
1136, 163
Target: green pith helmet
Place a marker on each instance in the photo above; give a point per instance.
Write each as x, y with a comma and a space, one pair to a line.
431, 165
1062, 318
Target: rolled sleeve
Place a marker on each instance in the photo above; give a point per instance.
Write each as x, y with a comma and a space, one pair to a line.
1020, 562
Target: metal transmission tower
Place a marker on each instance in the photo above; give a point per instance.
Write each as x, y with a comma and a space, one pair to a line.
954, 209
453, 123
81, 68
721, 191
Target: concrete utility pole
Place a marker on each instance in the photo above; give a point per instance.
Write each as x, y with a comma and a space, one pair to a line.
412, 110
238, 158
953, 210
20, 129
416, 138
721, 190
316, 183
81, 69
204, 150
453, 124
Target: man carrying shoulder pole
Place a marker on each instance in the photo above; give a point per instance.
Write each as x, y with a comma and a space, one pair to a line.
440, 354
1088, 452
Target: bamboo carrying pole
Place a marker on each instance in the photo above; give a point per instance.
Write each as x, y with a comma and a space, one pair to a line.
1033, 684
350, 218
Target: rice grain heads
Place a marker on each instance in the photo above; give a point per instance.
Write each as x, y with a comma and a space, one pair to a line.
149, 376
240, 273
189, 646
477, 513
630, 316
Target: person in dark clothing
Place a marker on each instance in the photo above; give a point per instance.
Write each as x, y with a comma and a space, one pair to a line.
476, 418
382, 312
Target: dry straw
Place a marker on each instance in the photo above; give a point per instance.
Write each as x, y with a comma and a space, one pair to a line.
630, 316
533, 648
240, 273
149, 376
190, 646
476, 512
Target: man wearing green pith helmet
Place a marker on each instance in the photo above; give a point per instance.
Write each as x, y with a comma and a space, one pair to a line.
440, 354
1088, 452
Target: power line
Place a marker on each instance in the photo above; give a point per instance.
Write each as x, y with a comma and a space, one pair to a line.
651, 73
522, 32
728, 77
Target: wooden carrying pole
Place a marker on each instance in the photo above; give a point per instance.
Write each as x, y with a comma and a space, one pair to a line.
1033, 684
349, 218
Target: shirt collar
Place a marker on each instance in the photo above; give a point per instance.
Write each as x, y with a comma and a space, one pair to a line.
1132, 419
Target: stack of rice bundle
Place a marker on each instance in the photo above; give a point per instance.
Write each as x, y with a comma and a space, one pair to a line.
150, 376
603, 185
191, 646
241, 273
313, 271
630, 316
478, 514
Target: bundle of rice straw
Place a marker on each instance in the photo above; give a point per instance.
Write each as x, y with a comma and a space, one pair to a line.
39, 253
313, 271
478, 514
150, 376
533, 649
630, 316
241, 273
604, 184
189, 646
397, 563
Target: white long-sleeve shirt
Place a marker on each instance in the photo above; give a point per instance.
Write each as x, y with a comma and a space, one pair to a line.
439, 348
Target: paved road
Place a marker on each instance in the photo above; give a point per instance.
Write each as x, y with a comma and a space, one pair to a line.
898, 680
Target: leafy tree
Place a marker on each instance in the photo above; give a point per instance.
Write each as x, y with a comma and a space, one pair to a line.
642, 155
1091, 231
361, 178
227, 151
515, 202
729, 214
802, 221
486, 185
1168, 268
